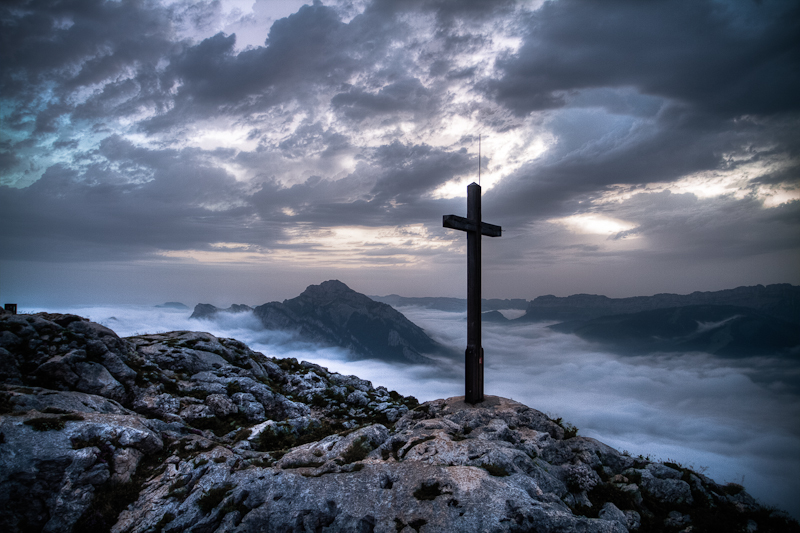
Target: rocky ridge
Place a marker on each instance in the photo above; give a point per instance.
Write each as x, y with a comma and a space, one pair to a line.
780, 301
184, 431
209, 311
332, 313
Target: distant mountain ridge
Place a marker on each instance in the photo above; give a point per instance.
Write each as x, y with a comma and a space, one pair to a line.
723, 330
333, 314
208, 310
778, 300
453, 305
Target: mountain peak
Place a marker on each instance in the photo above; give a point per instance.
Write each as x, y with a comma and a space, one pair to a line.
326, 292
332, 313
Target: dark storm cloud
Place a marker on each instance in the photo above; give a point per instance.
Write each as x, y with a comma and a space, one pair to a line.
598, 150
349, 118
404, 96
681, 225
389, 189
60, 47
707, 63
414, 170
131, 202
733, 58
303, 53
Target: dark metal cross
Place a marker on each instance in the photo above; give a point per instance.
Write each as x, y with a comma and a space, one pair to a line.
474, 228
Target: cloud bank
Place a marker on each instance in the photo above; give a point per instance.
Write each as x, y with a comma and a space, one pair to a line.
280, 136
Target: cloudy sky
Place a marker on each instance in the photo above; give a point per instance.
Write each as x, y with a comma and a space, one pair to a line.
238, 151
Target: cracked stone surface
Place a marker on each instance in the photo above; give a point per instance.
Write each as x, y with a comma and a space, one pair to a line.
184, 431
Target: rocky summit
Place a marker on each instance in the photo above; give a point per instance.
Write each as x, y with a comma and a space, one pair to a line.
332, 313
184, 431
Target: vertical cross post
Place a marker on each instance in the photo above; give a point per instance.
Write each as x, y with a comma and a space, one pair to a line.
473, 364
474, 227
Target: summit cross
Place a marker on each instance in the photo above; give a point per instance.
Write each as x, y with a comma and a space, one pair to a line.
473, 357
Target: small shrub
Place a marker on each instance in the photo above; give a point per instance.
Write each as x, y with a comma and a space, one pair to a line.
45, 424
318, 401
411, 402
569, 430
357, 451
274, 438
242, 434
212, 498
233, 388
732, 489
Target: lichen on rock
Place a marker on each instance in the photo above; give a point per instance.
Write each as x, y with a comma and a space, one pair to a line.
185, 431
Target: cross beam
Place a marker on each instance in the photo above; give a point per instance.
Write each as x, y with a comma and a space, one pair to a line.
474, 227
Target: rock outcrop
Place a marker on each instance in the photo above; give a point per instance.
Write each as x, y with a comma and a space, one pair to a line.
333, 314
184, 431
209, 311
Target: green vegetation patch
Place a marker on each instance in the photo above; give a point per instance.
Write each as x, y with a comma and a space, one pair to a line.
221, 425
358, 450
45, 424
569, 430
282, 437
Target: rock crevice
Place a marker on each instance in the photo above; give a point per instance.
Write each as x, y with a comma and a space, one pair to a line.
184, 431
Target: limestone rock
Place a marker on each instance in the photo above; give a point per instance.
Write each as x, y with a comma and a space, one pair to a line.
186, 431
333, 314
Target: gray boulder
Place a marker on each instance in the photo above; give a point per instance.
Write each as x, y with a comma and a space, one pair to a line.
187, 431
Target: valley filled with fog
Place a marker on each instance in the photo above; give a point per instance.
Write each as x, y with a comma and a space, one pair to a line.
736, 420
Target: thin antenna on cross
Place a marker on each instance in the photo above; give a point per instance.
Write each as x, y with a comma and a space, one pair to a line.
479, 159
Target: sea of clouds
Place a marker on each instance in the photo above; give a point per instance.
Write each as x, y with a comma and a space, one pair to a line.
734, 420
